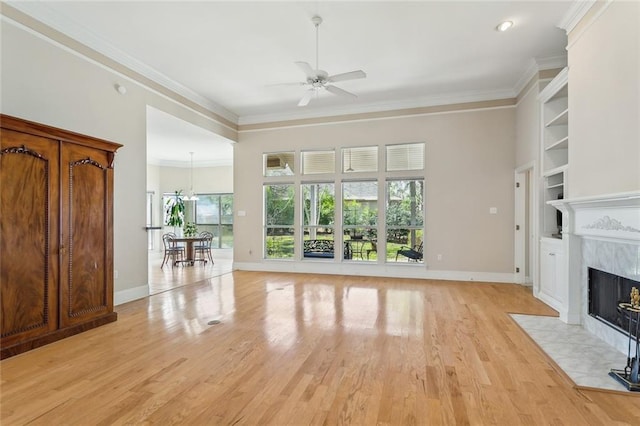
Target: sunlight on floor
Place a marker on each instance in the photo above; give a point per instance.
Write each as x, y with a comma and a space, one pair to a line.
171, 277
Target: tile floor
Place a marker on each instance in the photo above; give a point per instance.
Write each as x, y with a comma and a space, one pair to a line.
585, 358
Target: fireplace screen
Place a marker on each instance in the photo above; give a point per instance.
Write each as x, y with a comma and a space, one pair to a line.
606, 291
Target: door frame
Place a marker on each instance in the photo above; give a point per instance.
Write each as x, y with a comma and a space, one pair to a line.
522, 186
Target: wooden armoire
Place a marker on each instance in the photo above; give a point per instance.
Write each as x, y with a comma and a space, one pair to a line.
56, 234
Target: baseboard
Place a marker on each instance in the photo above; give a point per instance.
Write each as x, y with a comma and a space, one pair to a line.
567, 318
129, 294
549, 301
387, 271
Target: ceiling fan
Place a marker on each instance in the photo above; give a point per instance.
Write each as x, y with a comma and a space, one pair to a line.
318, 79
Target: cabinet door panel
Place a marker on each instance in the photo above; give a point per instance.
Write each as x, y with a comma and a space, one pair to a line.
548, 272
28, 236
87, 264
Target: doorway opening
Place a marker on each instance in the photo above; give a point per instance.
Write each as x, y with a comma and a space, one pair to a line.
189, 159
525, 225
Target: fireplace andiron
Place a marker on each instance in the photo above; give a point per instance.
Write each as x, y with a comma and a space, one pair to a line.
630, 376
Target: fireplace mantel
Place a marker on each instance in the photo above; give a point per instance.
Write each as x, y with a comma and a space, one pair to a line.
610, 216
601, 232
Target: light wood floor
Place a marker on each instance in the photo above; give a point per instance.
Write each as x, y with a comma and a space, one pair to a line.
307, 349
168, 277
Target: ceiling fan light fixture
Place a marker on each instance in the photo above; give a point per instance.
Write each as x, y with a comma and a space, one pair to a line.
318, 79
192, 195
504, 26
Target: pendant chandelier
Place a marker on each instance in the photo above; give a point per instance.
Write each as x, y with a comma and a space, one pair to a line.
192, 195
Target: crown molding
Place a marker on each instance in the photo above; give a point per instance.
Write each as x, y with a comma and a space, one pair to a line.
527, 75
551, 62
186, 164
535, 66
373, 107
41, 12
575, 13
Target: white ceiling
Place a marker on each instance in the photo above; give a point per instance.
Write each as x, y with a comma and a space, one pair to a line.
170, 141
230, 56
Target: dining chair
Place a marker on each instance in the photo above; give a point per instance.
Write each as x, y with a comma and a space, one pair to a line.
171, 250
175, 243
204, 248
373, 249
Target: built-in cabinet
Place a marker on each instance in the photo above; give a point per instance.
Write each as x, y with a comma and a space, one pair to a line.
56, 234
554, 103
552, 266
554, 155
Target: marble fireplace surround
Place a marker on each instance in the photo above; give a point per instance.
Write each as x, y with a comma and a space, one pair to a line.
600, 232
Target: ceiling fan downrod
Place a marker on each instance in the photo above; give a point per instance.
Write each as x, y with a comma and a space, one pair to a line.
317, 20
317, 79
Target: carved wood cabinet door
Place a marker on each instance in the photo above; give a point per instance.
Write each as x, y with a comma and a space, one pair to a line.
56, 234
29, 204
86, 246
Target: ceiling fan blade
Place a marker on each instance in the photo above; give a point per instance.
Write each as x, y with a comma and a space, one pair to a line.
306, 68
306, 97
352, 75
340, 92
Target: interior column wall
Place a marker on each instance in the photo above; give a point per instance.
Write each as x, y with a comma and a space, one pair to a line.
604, 101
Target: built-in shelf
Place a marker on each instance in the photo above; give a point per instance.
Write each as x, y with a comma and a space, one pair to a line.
559, 144
554, 149
561, 92
556, 171
560, 119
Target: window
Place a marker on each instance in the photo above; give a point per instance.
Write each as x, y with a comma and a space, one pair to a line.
314, 162
360, 218
361, 159
404, 217
214, 213
278, 164
278, 221
318, 216
405, 157
400, 210
208, 209
226, 220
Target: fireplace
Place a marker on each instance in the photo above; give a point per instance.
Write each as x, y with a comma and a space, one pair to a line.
601, 233
606, 291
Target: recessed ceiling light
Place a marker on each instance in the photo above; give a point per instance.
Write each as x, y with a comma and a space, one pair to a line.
504, 26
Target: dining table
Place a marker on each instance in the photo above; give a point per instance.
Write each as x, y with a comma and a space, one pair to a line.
189, 241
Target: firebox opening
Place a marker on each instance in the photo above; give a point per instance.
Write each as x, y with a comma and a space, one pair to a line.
606, 291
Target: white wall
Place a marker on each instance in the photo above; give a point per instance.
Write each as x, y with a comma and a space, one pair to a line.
153, 185
205, 179
469, 168
528, 124
46, 83
604, 102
